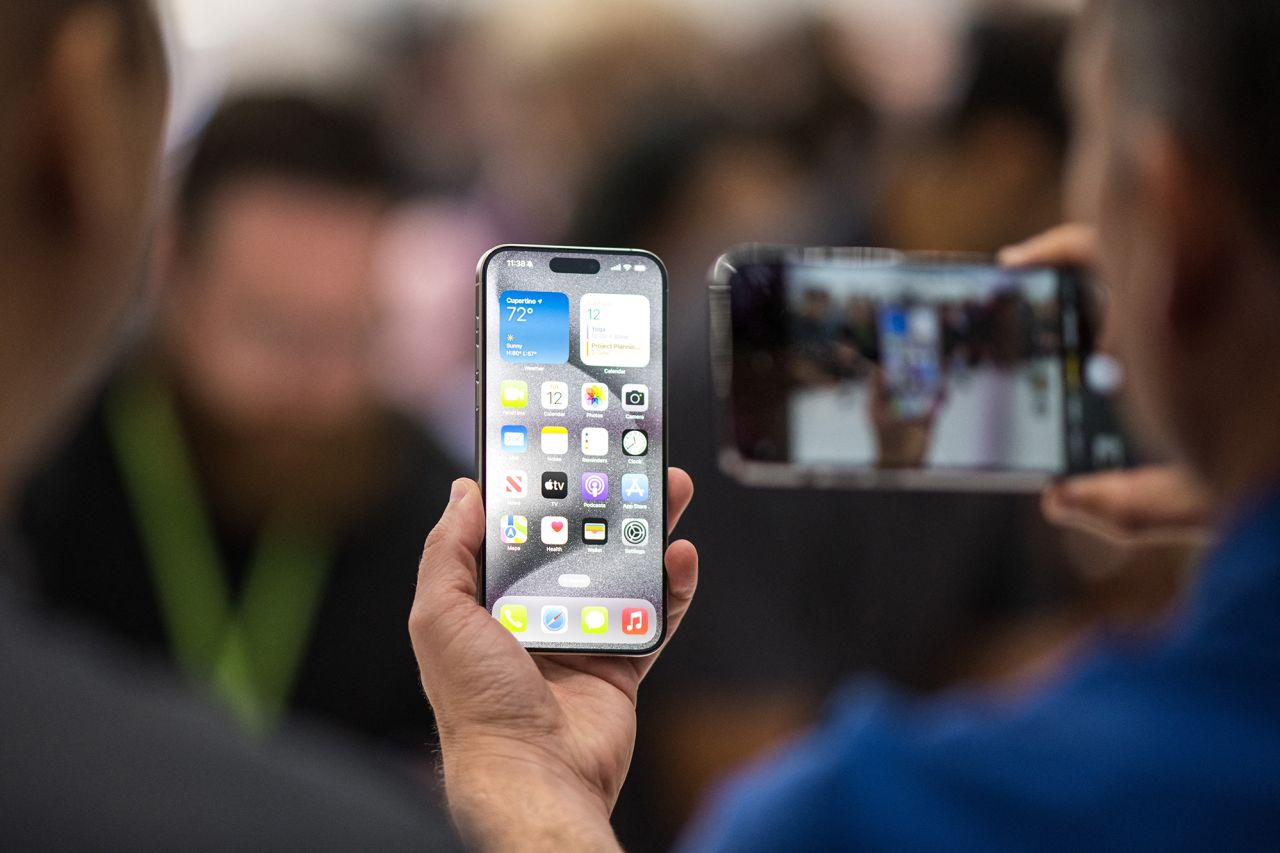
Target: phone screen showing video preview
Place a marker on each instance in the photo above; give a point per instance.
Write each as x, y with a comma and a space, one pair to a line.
955, 367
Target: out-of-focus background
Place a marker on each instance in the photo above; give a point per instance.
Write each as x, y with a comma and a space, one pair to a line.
335, 171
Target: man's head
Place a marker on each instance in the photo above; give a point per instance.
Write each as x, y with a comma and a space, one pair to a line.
270, 302
83, 89
1177, 128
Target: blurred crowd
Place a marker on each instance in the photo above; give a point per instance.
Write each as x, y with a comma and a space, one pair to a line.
831, 342
297, 394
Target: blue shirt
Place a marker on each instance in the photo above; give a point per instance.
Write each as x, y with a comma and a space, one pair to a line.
1171, 746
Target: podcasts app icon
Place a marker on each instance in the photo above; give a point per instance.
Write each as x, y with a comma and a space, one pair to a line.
595, 487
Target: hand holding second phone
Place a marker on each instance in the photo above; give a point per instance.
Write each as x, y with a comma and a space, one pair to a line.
1123, 511
535, 748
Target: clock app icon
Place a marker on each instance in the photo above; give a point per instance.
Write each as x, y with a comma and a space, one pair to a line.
635, 442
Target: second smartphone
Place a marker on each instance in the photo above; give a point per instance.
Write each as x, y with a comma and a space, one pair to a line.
867, 368
571, 445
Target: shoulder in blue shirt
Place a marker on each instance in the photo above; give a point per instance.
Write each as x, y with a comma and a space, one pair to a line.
1172, 746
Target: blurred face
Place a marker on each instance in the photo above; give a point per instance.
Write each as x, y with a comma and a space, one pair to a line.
1108, 190
273, 311
81, 134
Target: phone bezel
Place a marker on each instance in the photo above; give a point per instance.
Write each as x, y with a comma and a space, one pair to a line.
481, 411
788, 475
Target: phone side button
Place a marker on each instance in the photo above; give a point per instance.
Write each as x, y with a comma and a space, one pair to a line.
575, 581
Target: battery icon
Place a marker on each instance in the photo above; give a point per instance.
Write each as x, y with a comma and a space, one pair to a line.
641, 268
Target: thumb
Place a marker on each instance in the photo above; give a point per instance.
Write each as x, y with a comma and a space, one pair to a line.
448, 566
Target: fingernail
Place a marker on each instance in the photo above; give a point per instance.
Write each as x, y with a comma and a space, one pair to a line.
458, 492
1009, 256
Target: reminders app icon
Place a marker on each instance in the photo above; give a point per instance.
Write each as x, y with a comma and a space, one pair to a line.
515, 439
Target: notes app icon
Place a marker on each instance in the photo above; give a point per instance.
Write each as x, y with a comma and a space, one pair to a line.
555, 440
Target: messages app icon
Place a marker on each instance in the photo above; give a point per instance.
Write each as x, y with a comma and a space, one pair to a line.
533, 327
595, 620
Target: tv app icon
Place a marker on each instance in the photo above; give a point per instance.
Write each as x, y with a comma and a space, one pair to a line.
555, 485
555, 619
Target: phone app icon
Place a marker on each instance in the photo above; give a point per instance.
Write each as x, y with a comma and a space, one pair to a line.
635, 488
595, 531
515, 484
595, 441
515, 439
515, 394
555, 530
555, 396
595, 396
595, 486
635, 531
595, 620
514, 617
635, 621
555, 485
555, 619
513, 529
555, 440
635, 442
635, 398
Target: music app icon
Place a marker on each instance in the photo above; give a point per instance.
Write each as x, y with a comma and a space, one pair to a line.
635, 620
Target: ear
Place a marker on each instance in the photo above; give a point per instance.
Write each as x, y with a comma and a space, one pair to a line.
1201, 225
89, 181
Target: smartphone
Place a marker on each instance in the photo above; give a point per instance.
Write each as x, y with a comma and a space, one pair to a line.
572, 446
869, 368
912, 358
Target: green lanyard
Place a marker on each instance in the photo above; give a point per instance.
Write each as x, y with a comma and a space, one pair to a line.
249, 656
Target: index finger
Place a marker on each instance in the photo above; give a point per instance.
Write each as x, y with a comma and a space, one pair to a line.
1066, 244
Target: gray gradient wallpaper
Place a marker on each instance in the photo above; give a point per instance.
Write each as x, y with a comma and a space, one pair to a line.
555, 465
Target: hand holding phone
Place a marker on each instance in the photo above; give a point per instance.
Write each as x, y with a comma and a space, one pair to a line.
531, 744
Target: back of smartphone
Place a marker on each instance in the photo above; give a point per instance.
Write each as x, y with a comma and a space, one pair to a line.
570, 398
867, 368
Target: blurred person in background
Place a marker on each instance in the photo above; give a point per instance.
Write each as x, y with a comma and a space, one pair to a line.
99, 751
239, 499
987, 170
786, 147
1165, 740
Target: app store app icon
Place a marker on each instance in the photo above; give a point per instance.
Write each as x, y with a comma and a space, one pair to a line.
635, 488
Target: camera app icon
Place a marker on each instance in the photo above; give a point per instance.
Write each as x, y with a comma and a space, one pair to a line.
635, 398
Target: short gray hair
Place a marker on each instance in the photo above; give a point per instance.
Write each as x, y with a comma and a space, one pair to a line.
1211, 68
